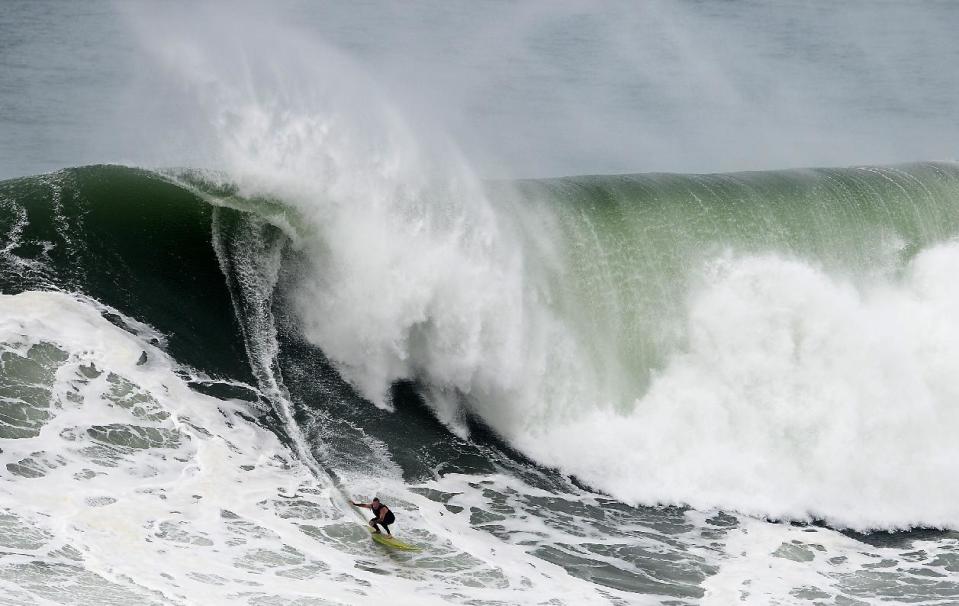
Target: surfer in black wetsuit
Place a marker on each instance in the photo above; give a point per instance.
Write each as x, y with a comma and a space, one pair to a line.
381, 515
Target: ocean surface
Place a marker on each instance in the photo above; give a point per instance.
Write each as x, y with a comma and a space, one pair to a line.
549, 279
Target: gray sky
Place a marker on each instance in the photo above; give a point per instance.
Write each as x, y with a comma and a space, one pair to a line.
523, 89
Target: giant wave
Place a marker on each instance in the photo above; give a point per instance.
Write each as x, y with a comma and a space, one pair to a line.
778, 343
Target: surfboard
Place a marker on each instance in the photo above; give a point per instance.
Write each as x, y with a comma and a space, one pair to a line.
385, 539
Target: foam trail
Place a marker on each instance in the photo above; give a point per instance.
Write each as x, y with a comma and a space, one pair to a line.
250, 255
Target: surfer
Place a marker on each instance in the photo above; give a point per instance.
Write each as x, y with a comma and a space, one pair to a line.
381, 515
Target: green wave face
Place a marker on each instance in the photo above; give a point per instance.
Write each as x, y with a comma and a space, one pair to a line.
630, 248
614, 257
131, 240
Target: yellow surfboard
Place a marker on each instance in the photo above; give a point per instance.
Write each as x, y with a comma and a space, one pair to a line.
385, 539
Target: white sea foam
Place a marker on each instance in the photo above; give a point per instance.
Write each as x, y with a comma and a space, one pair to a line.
799, 394
781, 564
122, 485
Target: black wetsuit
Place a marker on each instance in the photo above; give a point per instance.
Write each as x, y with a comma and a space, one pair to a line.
389, 519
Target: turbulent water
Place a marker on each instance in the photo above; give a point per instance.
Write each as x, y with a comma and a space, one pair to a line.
579, 390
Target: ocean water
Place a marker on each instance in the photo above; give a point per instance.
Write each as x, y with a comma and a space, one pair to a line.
258, 261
